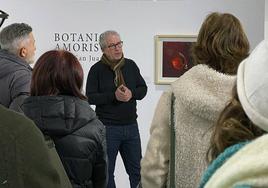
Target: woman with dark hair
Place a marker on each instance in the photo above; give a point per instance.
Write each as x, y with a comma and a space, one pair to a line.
62, 112
236, 156
195, 100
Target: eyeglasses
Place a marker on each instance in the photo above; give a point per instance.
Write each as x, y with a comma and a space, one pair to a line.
113, 46
3, 16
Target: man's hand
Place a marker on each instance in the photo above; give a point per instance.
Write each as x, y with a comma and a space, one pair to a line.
123, 94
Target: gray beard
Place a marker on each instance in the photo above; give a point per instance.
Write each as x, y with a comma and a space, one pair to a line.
30, 60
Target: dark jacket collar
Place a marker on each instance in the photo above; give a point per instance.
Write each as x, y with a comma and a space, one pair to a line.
58, 115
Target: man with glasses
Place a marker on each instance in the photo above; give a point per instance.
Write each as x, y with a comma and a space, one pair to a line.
113, 85
17, 52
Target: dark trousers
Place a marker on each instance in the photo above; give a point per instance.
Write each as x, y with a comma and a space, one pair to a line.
126, 140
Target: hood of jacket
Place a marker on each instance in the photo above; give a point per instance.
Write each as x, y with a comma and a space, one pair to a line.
203, 91
10, 62
58, 115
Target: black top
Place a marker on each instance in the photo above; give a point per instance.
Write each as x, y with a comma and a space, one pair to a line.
78, 135
100, 90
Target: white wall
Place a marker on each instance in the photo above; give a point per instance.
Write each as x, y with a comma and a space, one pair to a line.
266, 20
138, 22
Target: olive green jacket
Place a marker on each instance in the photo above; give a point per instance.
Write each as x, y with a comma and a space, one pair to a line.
26, 159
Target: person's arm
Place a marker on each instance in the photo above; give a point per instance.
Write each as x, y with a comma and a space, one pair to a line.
140, 91
17, 102
96, 97
155, 163
19, 89
100, 170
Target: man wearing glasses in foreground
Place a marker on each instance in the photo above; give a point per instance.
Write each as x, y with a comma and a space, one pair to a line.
113, 85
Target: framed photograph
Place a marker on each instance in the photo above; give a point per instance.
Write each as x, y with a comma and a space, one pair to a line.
172, 57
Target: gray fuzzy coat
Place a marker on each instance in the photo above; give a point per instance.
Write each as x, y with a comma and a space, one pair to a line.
200, 95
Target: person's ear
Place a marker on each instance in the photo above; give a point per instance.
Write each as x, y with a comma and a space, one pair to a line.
23, 52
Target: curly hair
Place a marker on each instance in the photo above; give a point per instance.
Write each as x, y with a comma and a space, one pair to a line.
221, 43
233, 126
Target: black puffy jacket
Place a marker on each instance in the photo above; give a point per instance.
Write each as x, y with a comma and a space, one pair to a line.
78, 135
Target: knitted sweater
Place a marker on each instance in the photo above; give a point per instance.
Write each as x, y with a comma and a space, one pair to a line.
200, 95
219, 161
248, 167
100, 90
